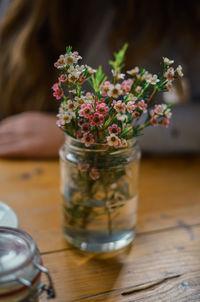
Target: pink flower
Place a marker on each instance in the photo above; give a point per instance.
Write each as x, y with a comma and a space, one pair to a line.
81, 79
165, 122
126, 85
158, 109
55, 86
85, 127
152, 113
83, 167
135, 114
130, 106
141, 105
63, 78
102, 109
105, 88
114, 129
119, 106
86, 110
79, 135
154, 121
94, 174
96, 119
58, 93
88, 139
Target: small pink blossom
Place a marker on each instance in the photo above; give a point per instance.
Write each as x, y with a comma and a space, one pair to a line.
154, 121
135, 114
165, 122
105, 88
86, 110
63, 78
152, 113
142, 106
81, 79
158, 109
79, 135
102, 108
130, 106
83, 167
58, 93
119, 106
88, 139
55, 86
114, 129
85, 127
94, 174
96, 119
170, 74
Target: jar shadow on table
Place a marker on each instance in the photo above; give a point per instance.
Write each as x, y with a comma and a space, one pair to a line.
108, 268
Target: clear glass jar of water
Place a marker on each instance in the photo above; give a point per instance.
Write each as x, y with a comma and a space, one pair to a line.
99, 186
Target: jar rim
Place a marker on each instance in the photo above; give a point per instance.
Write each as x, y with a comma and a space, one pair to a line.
31, 249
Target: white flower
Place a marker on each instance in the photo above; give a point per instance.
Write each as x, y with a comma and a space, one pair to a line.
71, 58
133, 71
114, 91
113, 140
90, 70
168, 113
138, 89
117, 75
153, 80
168, 61
147, 76
79, 68
121, 117
179, 71
71, 105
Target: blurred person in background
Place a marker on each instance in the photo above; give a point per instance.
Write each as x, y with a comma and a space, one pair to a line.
34, 33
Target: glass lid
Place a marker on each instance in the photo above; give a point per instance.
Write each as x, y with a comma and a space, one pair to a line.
17, 250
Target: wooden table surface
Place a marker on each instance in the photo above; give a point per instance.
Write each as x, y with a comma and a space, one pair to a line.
163, 263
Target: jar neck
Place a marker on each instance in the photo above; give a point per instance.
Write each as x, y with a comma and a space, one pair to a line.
75, 144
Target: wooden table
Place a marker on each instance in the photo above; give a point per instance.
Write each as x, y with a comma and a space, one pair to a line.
163, 263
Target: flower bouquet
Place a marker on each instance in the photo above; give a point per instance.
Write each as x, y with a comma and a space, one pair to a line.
102, 119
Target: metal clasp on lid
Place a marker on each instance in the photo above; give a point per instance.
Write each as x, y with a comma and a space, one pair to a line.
49, 289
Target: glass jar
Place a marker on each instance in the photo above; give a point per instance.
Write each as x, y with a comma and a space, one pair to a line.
21, 268
100, 191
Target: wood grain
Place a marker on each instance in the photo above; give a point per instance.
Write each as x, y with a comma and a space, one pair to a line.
162, 266
169, 196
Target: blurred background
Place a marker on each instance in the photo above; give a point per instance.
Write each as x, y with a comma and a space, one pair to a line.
34, 33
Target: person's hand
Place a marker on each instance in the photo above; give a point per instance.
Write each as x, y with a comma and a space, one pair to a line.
30, 135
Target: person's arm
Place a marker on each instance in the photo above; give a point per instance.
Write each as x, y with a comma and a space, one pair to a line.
30, 135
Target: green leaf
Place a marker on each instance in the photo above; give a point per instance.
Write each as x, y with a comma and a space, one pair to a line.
98, 79
117, 64
68, 49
